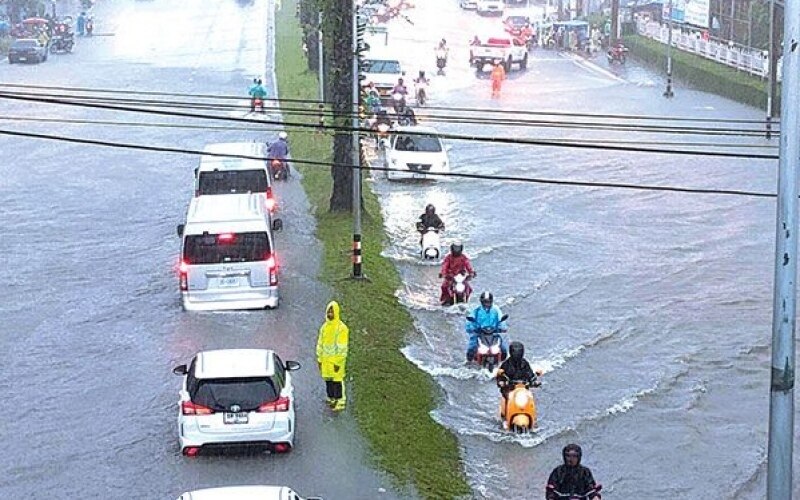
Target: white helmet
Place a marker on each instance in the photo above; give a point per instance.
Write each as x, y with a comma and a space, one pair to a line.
282, 136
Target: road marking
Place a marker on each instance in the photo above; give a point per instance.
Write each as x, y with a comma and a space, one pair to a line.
590, 66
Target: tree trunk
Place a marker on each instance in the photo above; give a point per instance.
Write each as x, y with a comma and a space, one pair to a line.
341, 77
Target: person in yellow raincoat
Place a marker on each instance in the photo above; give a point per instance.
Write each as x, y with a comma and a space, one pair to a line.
332, 355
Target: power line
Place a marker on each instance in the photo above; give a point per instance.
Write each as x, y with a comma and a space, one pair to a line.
69, 121
502, 178
498, 140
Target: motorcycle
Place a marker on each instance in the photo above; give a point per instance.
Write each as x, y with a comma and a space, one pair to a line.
431, 243
422, 92
459, 291
617, 54
586, 496
382, 134
257, 105
441, 62
489, 354
518, 410
59, 43
89, 26
280, 169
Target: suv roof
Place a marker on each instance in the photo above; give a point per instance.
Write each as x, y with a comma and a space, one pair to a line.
228, 213
239, 492
234, 363
234, 148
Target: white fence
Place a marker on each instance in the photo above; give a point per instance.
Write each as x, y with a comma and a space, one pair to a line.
755, 62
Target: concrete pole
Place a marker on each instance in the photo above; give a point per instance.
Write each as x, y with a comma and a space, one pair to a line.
614, 35
772, 82
668, 92
781, 401
356, 158
321, 60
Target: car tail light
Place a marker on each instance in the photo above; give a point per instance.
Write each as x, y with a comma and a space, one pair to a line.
281, 447
280, 404
191, 451
272, 269
183, 273
190, 408
270, 203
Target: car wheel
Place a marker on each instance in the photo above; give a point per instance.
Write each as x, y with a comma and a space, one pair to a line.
524, 64
10, 61
508, 64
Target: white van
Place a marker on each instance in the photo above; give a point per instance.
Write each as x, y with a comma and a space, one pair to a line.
382, 67
228, 256
230, 175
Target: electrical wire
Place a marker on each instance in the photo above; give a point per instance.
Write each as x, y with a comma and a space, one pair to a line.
341, 129
502, 178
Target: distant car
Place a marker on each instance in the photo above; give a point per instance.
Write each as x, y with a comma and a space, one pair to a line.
490, 7
236, 398
27, 50
414, 152
244, 493
514, 24
468, 4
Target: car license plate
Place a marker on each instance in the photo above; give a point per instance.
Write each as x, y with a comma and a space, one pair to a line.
233, 281
23, 58
235, 418
418, 175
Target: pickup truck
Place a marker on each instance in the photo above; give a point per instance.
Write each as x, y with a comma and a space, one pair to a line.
502, 48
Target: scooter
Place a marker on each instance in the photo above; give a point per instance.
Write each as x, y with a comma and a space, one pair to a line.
89, 26
489, 355
586, 496
280, 169
459, 290
617, 54
257, 105
441, 62
382, 135
431, 243
518, 411
60, 43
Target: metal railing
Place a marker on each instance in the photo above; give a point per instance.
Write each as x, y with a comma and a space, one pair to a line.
740, 57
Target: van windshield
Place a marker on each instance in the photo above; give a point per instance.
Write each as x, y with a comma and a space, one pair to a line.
228, 247
232, 182
221, 393
381, 66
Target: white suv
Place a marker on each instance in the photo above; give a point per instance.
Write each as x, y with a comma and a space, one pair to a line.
236, 398
245, 493
490, 7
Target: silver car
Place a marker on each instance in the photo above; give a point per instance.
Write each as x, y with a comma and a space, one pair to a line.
240, 398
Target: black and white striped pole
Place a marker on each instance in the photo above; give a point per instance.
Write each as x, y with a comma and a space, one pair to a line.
356, 158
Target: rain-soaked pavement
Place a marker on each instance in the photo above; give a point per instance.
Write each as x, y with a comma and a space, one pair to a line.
92, 323
650, 312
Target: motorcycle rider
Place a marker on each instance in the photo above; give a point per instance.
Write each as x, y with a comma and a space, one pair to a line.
486, 315
279, 150
405, 115
616, 51
372, 102
571, 478
421, 82
441, 55
429, 219
454, 263
400, 88
515, 368
257, 91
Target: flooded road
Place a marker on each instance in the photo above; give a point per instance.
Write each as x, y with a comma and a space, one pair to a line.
650, 312
92, 322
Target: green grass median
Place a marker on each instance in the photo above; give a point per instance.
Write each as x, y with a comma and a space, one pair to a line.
703, 74
390, 398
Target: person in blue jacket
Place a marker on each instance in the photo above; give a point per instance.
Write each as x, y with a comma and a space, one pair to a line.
81, 24
485, 315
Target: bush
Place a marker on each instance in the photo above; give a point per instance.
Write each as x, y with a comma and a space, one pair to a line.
702, 73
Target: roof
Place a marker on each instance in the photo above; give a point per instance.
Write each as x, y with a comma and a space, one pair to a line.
234, 148
234, 363
227, 213
416, 128
239, 493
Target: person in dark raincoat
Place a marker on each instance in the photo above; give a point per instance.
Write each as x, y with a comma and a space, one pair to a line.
571, 478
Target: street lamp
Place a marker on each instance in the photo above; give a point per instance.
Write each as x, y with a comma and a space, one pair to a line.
668, 92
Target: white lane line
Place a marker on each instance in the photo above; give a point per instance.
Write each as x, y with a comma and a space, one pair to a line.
590, 66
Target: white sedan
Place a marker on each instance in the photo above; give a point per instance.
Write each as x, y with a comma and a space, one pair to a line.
490, 7
414, 152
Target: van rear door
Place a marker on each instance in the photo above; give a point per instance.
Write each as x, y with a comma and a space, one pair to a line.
227, 261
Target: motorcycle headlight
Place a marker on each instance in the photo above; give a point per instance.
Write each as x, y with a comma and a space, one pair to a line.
383, 128
522, 398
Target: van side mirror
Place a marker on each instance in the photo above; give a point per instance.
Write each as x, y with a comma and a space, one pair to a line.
292, 366
196, 169
180, 229
277, 225
504, 317
180, 370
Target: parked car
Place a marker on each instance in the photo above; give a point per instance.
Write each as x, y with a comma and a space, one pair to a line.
490, 7
27, 50
468, 4
414, 152
244, 493
236, 398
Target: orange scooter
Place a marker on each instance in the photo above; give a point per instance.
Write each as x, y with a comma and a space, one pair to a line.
518, 411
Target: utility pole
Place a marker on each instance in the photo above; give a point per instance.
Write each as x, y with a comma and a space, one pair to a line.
614, 35
320, 60
781, 400
356, 158
668, 93
772, 82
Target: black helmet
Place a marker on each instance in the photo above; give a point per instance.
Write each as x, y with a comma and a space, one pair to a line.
487, 299
572, 447
456, 247
430, 209
516, 350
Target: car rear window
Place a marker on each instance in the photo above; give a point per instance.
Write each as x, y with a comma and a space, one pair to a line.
226, 247
25, 44
220, 394
232, 182
424, 143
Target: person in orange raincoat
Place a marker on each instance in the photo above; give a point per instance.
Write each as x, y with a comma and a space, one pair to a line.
498, 75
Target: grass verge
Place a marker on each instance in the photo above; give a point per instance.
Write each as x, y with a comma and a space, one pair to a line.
703, 73
390, 398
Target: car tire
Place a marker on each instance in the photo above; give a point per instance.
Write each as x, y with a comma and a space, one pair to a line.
10, 61
508, 64
524, 64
